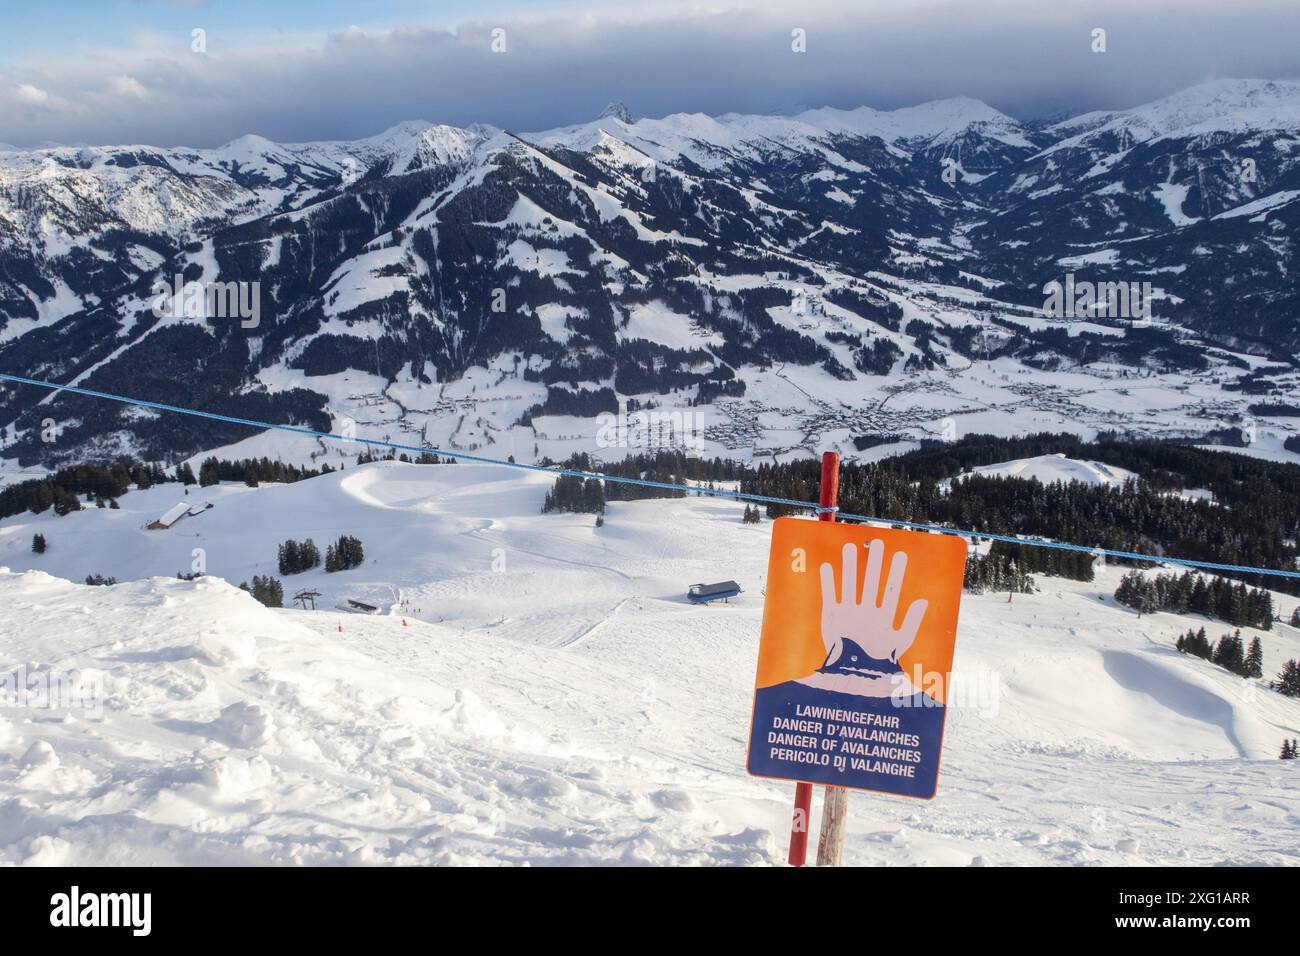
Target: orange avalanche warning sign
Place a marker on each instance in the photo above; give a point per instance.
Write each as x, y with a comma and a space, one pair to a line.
855, 657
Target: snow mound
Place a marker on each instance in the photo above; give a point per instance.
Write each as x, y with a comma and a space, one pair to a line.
243, 725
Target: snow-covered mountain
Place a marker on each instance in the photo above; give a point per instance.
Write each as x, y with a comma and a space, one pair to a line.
1218, 106
789, 281
567, 705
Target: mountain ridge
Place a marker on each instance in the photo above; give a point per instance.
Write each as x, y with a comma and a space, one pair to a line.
820, 263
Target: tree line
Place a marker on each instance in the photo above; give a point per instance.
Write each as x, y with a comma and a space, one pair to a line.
298, 556
64, 489
1193, 593
344, 554
265, 589
1053, 562
996, 572
253, 471
1229, 653
575, 495
1253, 519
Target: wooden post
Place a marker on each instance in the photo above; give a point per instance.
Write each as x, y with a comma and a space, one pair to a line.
828, 497
835, 812
835, 800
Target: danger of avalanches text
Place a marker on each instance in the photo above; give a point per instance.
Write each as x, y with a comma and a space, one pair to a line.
863, 742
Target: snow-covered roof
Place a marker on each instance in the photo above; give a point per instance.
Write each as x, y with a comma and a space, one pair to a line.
174, 514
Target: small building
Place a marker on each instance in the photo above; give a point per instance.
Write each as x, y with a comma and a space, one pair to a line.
169, 517
356, 607
719, 591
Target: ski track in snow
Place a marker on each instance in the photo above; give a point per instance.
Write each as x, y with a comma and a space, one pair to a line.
571, 708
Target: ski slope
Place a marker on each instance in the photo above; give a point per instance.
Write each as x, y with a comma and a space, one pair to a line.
539, 691
1050, 469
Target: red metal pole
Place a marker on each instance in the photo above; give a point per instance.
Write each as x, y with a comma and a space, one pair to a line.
830, 489
799, 824
828, 498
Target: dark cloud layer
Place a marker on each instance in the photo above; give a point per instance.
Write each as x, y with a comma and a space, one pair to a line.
1026, 58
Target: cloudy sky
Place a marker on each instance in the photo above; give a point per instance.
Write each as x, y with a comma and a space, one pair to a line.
128, 71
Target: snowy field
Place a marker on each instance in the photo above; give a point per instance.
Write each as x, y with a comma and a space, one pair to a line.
1057, 468
537, 690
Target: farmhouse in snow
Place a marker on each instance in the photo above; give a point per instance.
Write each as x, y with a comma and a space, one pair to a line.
175, 513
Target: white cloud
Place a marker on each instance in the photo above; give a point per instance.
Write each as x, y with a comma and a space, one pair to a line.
31, 94
1025, 57
127, 86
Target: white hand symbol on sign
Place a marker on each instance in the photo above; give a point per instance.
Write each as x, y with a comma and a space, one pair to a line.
860, 618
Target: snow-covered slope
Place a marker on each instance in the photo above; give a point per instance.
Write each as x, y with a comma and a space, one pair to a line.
936, 123
1054, 468
540, 691
1217, 106
712, 141
148, 189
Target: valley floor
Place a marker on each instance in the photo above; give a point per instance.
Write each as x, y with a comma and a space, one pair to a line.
539, 691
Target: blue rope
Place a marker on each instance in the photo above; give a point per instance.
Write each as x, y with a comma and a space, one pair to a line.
664, 485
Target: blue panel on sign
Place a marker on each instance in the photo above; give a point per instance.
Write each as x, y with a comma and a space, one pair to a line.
807, 733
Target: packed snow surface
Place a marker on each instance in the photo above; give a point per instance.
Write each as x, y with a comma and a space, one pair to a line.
1057, 468
538, 690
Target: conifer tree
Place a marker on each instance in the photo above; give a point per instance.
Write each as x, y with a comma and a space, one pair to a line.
1255, 659
345, 553
208, 473
65, 502
267, 590
1288, 682
287, 559
1195, 643
575, 494
1234, 603
1228, 653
